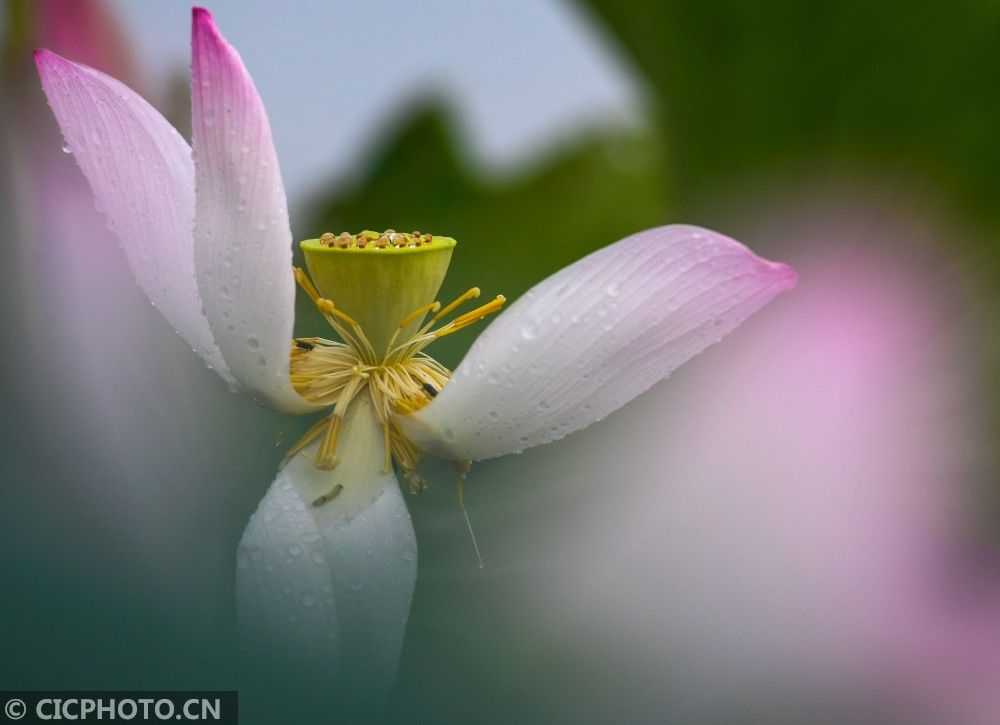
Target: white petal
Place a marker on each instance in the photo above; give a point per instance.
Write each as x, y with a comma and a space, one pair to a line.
593, 336
141, 172
243, 246
328, 588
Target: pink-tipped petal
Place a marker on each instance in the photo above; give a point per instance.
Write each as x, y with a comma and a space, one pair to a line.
592, 337
243, 245
142, 176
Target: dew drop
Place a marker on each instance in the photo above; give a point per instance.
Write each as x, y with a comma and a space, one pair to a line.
252, 342
294, 549
66, 149
410, 555
308, 599
529, 331
318, 557
613, 289
355, 584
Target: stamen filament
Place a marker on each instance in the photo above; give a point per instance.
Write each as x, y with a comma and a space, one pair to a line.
469, 294
305, 283
469, 318
435, 306
463, 471
326, 455
387, 464
328, 308
305, 440
402, 381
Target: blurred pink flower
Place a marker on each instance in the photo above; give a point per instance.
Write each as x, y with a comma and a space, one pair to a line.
787, 542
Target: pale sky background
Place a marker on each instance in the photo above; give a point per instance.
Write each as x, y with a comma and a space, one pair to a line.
521, 73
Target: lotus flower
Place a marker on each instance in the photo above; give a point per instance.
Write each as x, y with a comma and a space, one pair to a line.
327, 564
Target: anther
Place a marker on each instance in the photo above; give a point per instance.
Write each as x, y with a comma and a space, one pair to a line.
430, 390
470, 317
419, 312
305, 283
327, 239
327, 308
303, 345
470, 294
327, 497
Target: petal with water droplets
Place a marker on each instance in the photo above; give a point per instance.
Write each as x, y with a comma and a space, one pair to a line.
327, 589
593, 336
243, 245
142, 176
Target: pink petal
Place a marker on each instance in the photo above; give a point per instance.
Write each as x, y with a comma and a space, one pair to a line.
142, 176
243, 245
592, 337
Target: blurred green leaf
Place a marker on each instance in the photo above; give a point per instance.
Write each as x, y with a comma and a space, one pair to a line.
742, 88
511, 233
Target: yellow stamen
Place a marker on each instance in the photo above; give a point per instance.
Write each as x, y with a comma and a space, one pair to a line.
419, 312
469, 318
387, 464
327, 308
465, 297
326, 454
399, 382
305, 440
305, 283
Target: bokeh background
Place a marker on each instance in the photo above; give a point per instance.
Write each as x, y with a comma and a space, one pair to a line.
801, 525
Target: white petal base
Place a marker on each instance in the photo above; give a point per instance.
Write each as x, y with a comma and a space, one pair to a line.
326, 590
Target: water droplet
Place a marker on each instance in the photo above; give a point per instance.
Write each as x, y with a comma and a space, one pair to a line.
262, 361
66, 149
613, 289
544, 405
308, 599
529, 331
355, 583
410, 555
318, 557
294, 549
252, 342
